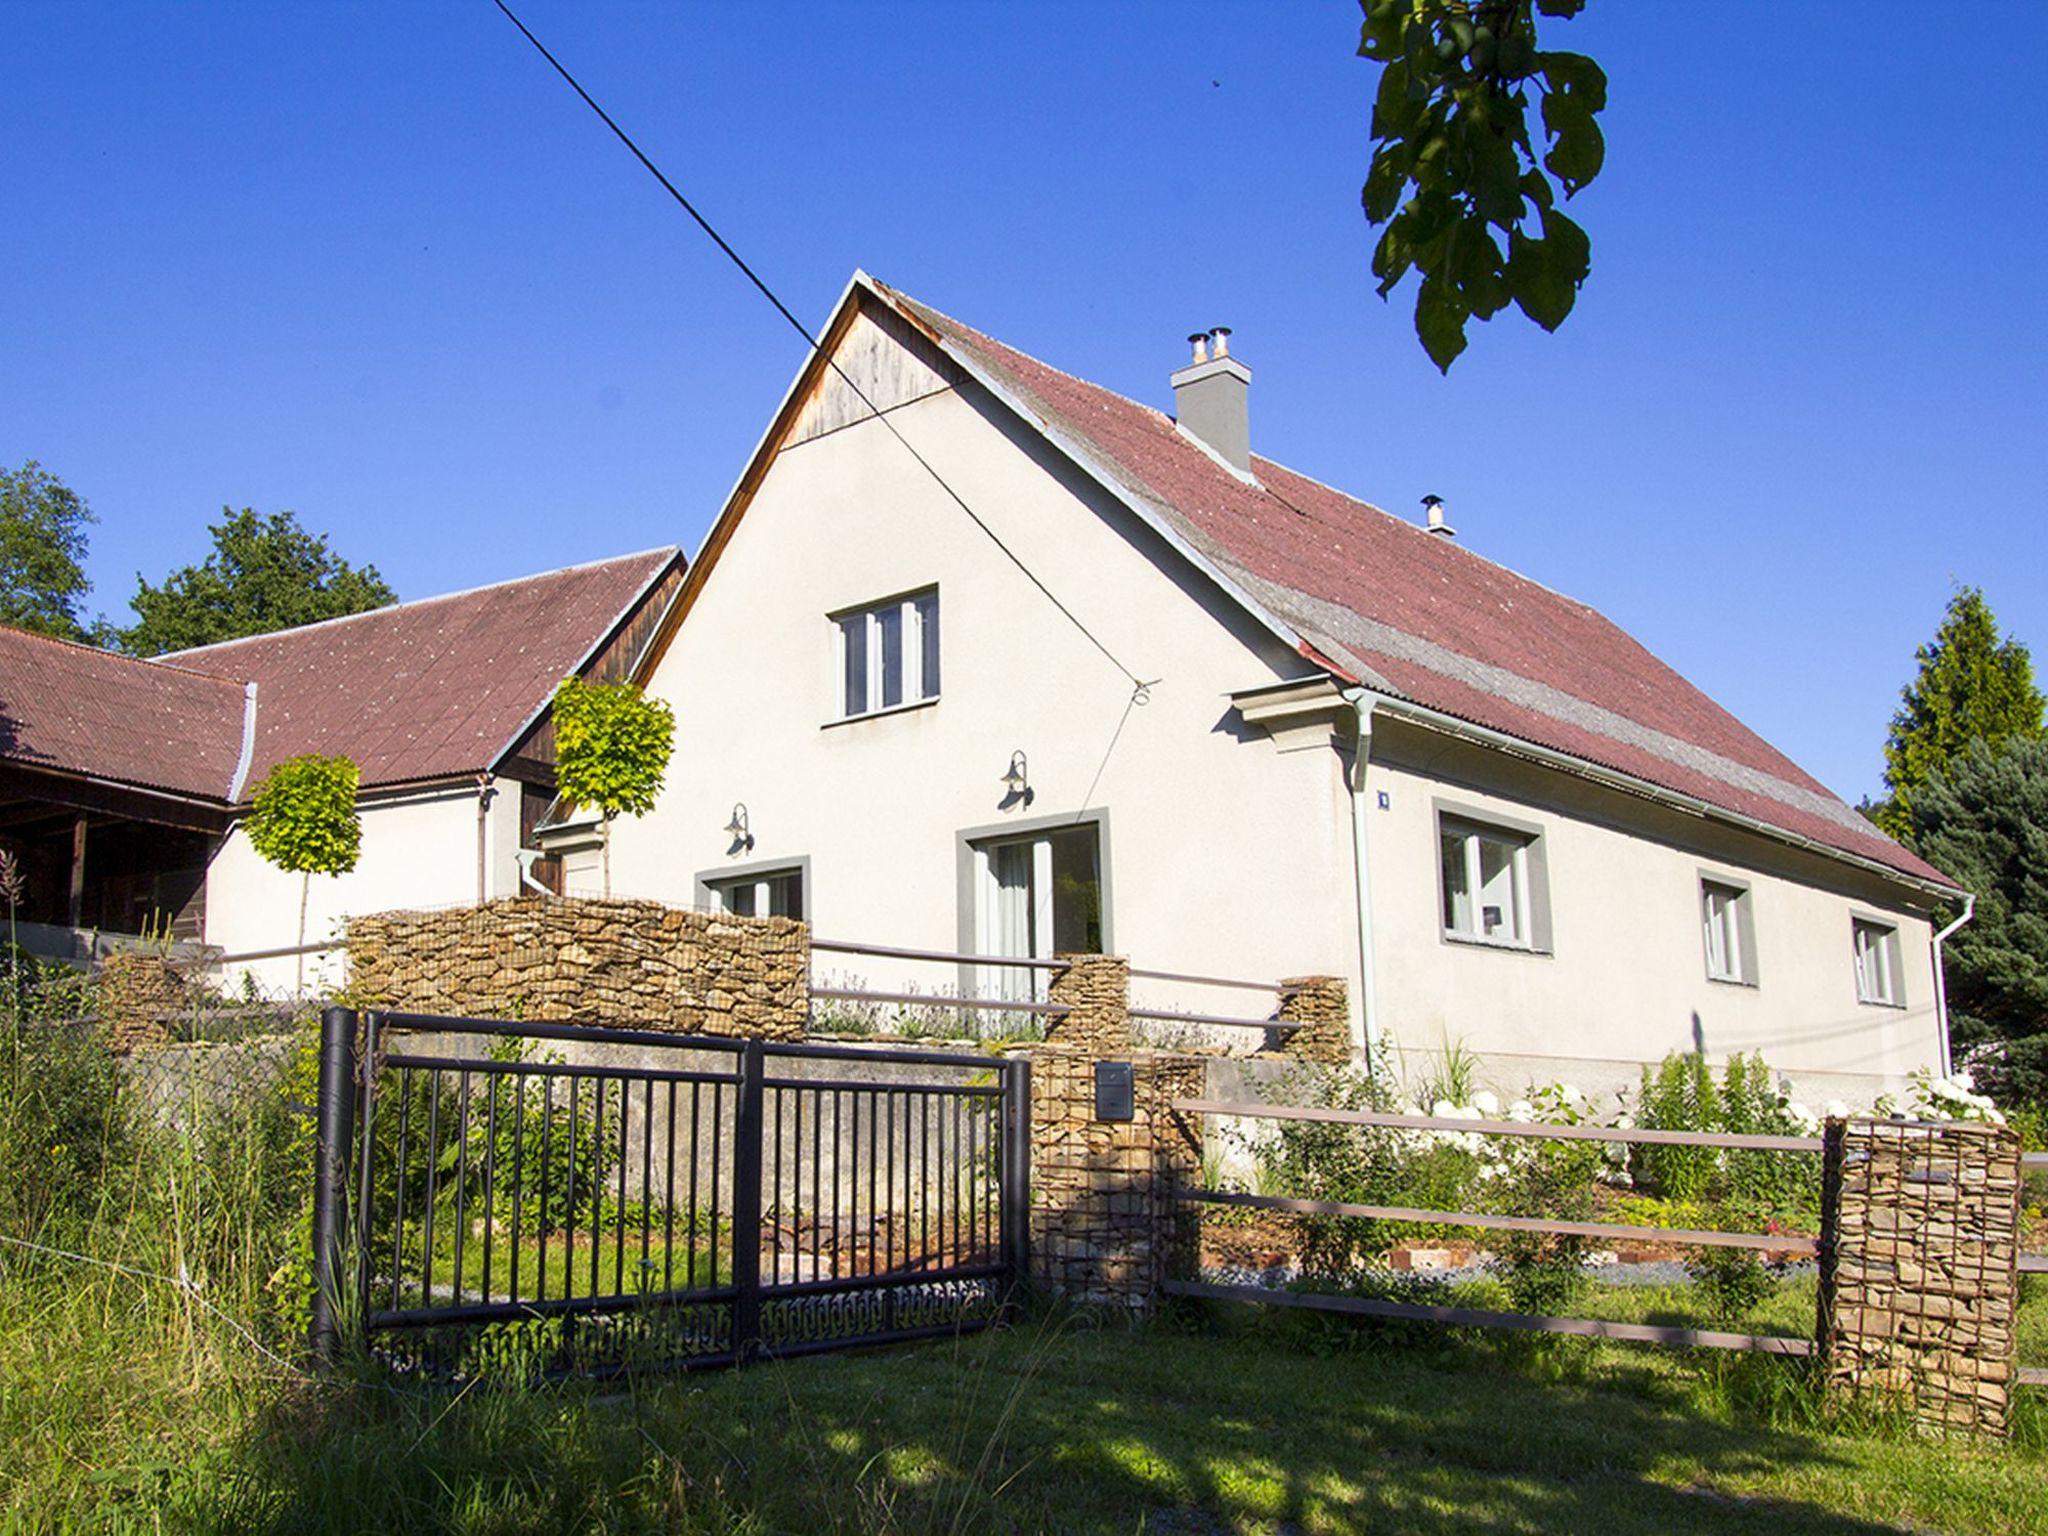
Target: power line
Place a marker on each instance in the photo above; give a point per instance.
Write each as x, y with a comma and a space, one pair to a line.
811, 341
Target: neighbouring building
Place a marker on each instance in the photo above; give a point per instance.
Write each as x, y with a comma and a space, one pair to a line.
908, 660
123, 780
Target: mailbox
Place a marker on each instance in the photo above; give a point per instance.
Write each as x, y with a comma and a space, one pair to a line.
1116, 1091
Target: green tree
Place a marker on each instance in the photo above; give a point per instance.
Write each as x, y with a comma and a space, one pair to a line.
302, 818
1972, 686
612, 746
1454, 161
1985, 823
264, 574
42, 547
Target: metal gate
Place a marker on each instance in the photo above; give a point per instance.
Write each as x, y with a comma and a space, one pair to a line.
547, 1199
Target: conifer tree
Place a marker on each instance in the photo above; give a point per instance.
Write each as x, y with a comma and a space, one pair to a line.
1972, 686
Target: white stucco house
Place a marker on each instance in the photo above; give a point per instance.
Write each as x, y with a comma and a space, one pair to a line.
1022, 666
123, 781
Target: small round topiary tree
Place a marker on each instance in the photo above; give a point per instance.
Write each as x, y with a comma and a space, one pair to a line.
612, 746
303, 818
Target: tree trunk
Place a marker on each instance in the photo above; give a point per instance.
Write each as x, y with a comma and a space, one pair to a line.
305, 889
605, 853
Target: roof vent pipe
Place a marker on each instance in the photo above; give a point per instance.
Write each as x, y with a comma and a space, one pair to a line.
1211, 399
1433, 507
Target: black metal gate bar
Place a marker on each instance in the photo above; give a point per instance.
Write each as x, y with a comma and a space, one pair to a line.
870, 1257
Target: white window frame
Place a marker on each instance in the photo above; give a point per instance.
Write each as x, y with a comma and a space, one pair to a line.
1875, 955
1737, 931
1523, 844
719, 889
917, 683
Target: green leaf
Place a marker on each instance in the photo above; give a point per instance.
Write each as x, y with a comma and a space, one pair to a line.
1575, 75
1579, 149
1440, 317
1475, 267
1383, 187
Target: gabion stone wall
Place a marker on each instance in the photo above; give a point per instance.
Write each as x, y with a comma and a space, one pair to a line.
140, 994
1322, 1006
1105, 1226
1097, 991
629, 964
1920, 1277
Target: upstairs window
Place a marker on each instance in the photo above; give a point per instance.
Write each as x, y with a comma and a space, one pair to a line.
1730, 932
1490, 884
1878, 976
888, 654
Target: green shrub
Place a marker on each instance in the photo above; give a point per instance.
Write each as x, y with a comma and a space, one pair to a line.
1678, 1096
1683, 1095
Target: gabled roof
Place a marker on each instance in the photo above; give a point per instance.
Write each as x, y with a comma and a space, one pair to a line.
1436, 630
75, 710
432, 689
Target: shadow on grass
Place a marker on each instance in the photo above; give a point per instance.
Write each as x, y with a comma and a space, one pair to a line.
1058, 1426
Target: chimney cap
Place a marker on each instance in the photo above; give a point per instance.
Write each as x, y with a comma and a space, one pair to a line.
1433, 508
1199, 342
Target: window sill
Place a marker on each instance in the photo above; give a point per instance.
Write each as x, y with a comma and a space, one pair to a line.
1881, 1002
1498, 946
1732, 981
881, 714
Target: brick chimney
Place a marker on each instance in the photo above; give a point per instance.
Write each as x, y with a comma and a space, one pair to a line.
1211, 399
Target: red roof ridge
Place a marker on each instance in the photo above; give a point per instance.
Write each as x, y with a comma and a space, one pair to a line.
665, 551
112, 655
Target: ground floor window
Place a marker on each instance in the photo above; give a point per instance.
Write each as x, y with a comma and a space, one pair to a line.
763, 893
1876, 950
1037, 895
1488, 883
1730, 940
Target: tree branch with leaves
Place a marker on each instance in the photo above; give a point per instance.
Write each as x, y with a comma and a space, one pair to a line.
612, 746
1457, 173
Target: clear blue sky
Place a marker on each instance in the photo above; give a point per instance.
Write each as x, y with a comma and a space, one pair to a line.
375, 264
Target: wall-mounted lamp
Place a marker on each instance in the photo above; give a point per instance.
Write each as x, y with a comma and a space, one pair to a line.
1017, 780
736, 829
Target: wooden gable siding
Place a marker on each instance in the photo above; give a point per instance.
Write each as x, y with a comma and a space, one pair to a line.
533, 759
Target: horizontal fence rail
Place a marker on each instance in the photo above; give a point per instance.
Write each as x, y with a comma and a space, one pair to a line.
1138, 974
1730, 1140
1778, 1245
891, 952
939, 1000
1763, 1242
1170, 1015
1474, 1317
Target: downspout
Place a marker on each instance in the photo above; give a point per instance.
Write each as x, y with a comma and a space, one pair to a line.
1948, 1061
1362, 703
485, 790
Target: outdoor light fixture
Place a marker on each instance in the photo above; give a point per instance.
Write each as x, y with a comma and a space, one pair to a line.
1015, 780
737, 829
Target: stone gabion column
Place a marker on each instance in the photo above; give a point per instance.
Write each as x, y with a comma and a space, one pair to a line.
1322, 1006
1097, 990
1920, 1269
139, 993
1106, 1223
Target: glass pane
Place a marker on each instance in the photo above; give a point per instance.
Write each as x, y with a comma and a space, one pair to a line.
739, 899
1076, 892
928, 630
1723, 945
1457, 898
890, 622
1009, 867
1498, 916
853, 642
786, 895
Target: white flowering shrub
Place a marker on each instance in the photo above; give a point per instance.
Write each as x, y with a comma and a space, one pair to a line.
1930, 1097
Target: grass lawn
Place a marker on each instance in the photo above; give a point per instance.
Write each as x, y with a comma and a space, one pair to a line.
1207, 1421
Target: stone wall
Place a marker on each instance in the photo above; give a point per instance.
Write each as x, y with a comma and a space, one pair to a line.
1097, 991
1322, 1007
629, 964
1106, 1227
140, 996
1920, 1270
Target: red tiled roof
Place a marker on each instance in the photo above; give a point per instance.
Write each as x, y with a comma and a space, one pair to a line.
73, 709
1379, 600
431, 689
